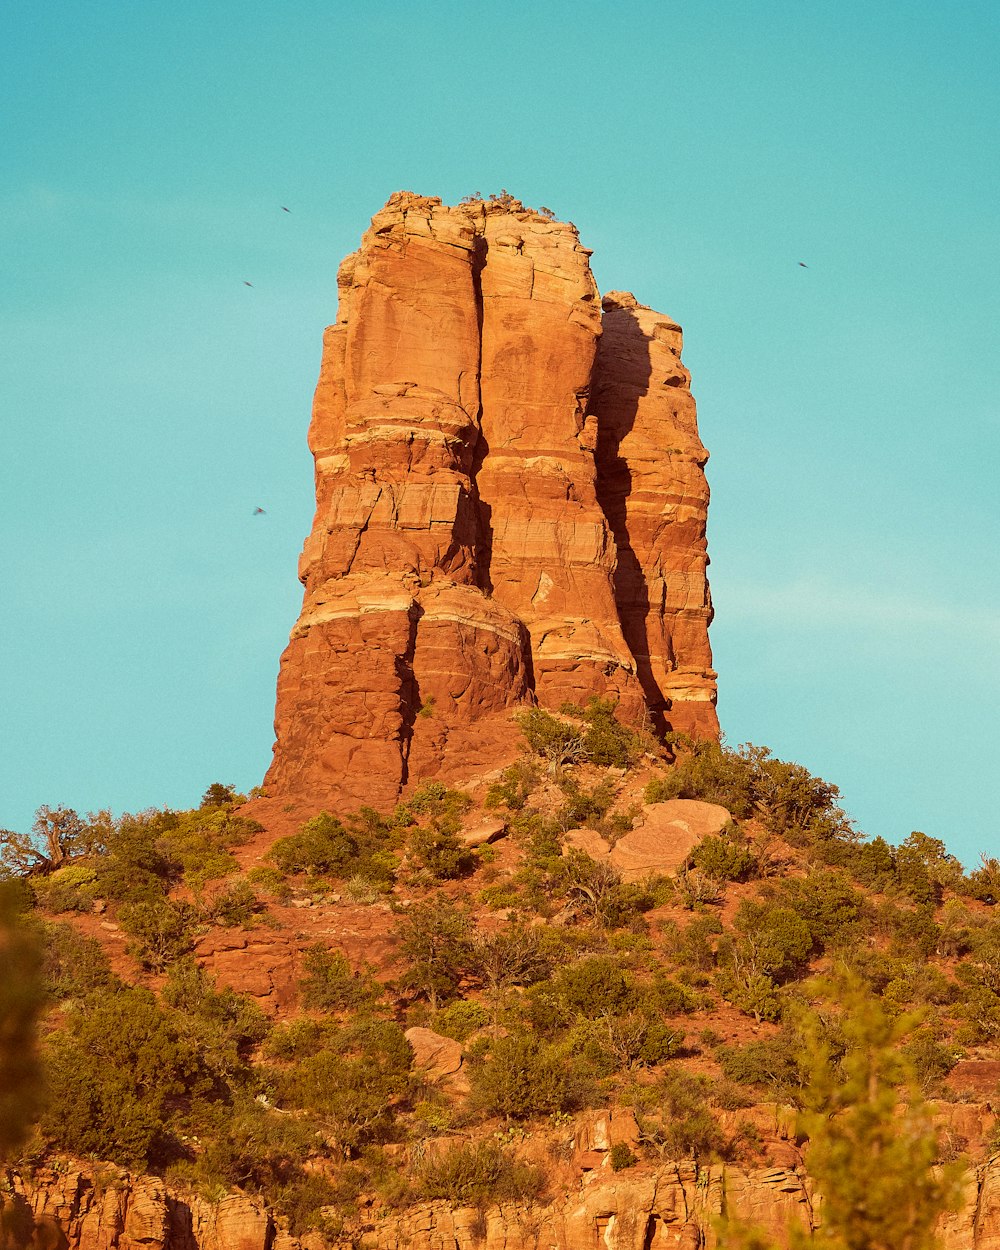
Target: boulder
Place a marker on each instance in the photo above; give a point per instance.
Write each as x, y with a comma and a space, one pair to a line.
484, 832
668, 834
434, 1055
587, 840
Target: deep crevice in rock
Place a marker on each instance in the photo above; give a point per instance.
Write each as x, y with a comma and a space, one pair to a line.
483, 511
615, 420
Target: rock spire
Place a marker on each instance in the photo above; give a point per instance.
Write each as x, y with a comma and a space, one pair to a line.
510, 506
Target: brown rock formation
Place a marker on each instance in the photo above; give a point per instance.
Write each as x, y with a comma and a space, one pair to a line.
652, 488
666, 835
673, 1205
470, 552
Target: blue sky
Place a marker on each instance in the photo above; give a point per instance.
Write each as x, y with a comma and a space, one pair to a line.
149, 401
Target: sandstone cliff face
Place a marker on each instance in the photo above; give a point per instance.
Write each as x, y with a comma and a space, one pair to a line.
505, 510
674, 1206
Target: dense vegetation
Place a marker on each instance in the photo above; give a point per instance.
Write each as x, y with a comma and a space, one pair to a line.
688, 999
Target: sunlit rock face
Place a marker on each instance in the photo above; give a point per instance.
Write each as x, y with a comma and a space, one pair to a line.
510, 507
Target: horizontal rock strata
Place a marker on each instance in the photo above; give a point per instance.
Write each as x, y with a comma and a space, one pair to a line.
510, 505
674, 1205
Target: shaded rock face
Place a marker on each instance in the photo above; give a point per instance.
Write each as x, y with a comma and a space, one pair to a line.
510, 505
675, 1205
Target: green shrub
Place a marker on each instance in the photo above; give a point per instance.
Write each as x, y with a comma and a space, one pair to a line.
770, 1064
607, 742
583, 806
441, 853
514, 788
913, 931
114, 1076
754, 993
750, 782
219, 795
270, 881
321, 847
72, 888
360, 845
223, 1026
524, 1077
621, 1157
22, 999
244, 1145
477, 1174
461, 1019
553, 739
724, 858
827, 902
729, 1097
353, 1083
136, 866
694, 946
592, 734
435, 937
636, 1039
330, 984
930, 1060
593, 986
236, 906
687, 1127
161, 930
74, 966
770, 939
441, 804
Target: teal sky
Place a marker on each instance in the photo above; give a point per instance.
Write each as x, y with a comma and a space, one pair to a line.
149, 401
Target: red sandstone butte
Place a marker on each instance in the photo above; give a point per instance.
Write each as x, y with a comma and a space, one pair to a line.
510, 506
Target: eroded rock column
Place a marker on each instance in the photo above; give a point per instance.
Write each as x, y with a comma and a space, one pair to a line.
551, 552
394, 622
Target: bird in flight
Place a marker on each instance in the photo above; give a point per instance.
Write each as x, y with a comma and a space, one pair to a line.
803, 265
245, 283
285, 210
259, 512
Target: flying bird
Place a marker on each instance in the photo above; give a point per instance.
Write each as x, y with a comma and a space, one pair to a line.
285, 210
247, 283
803, 265
259, 512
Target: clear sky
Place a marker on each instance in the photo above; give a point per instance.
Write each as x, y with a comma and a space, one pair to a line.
149, 400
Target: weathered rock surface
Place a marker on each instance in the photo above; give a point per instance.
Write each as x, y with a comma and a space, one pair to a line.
667, 833
666, 836
506, 512
652, 488
672, 1205
434, 1055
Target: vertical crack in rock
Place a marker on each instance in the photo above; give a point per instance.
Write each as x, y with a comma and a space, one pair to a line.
652, 488
409, 694
469, 553
539, 337
484, 513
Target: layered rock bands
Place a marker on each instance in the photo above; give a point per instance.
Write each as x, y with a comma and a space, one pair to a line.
511, 504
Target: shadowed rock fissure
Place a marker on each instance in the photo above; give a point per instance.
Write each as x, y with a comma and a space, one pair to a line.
409, 693
614, 485
483, 511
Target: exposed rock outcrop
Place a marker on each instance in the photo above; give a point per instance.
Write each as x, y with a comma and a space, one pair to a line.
506, 512
674, 1205
663, 840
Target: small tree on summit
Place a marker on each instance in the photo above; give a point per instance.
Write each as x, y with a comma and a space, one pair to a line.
218, 795
58, 835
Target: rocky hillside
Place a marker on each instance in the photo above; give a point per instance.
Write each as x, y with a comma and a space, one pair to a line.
573, 998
